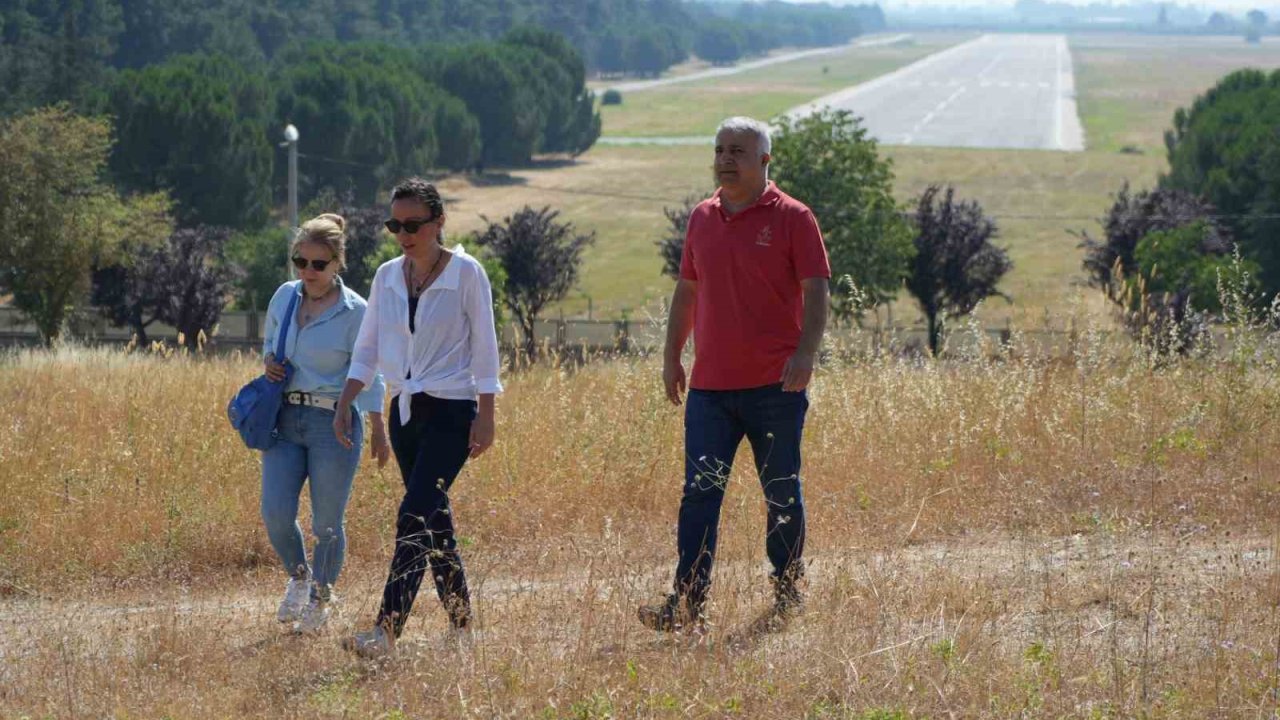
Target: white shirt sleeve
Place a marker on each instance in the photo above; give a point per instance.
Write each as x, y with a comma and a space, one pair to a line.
364, 356
478, 304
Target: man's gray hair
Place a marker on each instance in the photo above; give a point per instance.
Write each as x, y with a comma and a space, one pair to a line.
741, 124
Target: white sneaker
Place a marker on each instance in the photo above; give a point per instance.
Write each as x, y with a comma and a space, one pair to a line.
372, 644
314, 616
295, 599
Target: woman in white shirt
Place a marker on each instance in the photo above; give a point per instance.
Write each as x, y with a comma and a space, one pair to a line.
429, 331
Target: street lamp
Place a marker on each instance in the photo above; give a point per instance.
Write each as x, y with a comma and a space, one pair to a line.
291, 142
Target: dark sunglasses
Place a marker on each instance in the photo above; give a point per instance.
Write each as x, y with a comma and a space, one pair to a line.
317, 265
410, 226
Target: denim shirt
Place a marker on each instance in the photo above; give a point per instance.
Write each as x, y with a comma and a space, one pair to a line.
321, 352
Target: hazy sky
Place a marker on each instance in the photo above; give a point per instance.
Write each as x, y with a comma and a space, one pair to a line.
1237, 6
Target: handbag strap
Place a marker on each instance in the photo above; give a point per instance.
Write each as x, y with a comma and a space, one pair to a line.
284, 326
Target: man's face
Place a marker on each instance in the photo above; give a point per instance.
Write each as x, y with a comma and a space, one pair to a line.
739, 163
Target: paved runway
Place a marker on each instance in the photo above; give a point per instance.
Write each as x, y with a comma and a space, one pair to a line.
872, 41
999, 91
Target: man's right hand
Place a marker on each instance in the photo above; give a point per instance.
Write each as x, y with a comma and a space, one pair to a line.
674, 380
274, 370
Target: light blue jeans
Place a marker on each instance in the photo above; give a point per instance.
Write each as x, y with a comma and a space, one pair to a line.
306, 448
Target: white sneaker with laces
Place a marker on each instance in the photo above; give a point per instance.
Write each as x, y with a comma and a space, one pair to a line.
314, 616
371, 644
295, 599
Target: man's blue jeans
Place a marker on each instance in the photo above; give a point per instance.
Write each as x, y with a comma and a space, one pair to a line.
306, 449
715, 423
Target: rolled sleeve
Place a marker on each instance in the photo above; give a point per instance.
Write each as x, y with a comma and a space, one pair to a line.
374, 396
478, 300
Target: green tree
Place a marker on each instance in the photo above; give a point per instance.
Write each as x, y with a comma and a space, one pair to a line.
453, 121
1111, 259
57, 214
719, 44
497, 285
828, 162
1187, 263
570, 122
507, 109
1175, 293
365, 115
260, 255
80, 53
649, 51
197, 127
1224, 149
1257, 26
1158, 263
55, 51
609, 56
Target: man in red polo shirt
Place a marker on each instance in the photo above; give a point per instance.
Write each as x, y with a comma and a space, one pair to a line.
753, 291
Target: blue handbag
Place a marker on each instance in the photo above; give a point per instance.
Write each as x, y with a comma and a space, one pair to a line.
254, 410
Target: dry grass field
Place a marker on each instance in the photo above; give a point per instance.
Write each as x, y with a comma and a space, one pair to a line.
995, 536
1129, 86
1000, 535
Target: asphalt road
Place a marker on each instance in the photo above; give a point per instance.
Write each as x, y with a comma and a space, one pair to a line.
642, 85
998, 91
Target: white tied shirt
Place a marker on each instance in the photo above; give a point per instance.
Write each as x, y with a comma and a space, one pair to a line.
453, 352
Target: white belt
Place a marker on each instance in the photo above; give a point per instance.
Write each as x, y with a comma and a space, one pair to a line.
306, 398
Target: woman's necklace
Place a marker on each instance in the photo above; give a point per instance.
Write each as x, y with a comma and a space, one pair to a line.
416, 289
309, 311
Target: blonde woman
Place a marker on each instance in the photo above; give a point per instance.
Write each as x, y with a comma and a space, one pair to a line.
318, 347
430, 331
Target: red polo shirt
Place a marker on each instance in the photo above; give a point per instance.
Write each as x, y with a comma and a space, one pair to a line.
750, 306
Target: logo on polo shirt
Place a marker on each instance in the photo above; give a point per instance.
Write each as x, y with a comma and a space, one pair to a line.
765, 238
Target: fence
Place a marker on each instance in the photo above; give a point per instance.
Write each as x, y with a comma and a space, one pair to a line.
243, 331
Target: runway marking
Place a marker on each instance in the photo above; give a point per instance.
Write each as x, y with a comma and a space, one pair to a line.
994, 61
933, 114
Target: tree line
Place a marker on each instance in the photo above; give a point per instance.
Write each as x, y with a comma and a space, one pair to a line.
728, 31
204, 126
63, 49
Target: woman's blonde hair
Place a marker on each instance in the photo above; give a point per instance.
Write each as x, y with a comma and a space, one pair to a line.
329, 230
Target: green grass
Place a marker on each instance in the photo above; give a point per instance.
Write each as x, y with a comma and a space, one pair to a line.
696, 108
1129, 86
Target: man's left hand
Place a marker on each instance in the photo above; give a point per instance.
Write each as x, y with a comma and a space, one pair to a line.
798, 372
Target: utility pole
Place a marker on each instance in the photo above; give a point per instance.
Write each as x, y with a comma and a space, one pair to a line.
291, 141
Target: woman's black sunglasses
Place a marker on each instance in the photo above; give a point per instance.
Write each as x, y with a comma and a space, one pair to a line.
317, 265
410, 226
